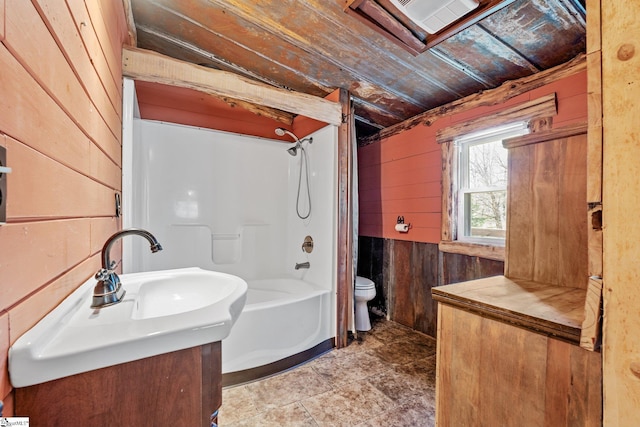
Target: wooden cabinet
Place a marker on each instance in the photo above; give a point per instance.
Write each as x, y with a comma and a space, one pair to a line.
491, 373
182, 388
509, 346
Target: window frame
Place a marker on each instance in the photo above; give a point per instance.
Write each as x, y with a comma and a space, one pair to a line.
462, 145
536, 114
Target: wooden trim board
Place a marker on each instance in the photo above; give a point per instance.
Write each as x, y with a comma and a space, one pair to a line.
552, 310
150, 66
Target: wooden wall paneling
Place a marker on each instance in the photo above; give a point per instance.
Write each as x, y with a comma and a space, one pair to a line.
621, 204
344, 241
2, 15
28, 312
52, 246
24, 103
520, 240
103, 170
558, 379
109, 23
444, 385
465, 359
39, 53
594, 154
496, 253
402, 310
101, 230
572, 230
5, 386
97, 58
61, 191
585, 393
449, 185
594, 22
388, 275
547, 232
461, 268
95, 36
102, 91
424, 261
590, 337
545, 203
512, 368
594, 136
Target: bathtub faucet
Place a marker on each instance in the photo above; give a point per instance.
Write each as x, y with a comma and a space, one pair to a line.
300, 265
109, 291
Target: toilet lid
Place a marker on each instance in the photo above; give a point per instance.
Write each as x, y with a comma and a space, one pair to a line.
364, 283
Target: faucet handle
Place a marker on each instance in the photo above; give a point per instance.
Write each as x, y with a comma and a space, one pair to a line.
103, 274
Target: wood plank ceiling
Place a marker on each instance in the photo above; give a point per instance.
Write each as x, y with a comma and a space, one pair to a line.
314, 47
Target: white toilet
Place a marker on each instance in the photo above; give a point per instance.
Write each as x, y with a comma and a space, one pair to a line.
365, 290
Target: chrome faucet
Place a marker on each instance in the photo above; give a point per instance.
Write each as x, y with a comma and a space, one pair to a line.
300, 265
109, 291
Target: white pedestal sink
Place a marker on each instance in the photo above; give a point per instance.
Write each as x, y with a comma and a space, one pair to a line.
162, 311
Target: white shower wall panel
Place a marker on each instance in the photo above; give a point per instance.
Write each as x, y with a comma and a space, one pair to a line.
213, 199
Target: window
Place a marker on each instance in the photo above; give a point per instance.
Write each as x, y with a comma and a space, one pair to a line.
473, 200
482, 184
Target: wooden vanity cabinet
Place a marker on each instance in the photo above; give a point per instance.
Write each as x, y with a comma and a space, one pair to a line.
181, 388
509, 347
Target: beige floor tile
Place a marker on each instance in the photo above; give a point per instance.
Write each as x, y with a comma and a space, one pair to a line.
406, 382
237, 404
406, 351
350, 367
417, 412
292, 415
348, 405
286, 388
386, 377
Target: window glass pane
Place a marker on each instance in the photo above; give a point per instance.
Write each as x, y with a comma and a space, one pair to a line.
487, 214
487, 165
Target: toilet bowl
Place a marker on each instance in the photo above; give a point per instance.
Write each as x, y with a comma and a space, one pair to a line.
365, 290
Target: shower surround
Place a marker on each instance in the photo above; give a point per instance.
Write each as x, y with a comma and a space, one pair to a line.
227, 202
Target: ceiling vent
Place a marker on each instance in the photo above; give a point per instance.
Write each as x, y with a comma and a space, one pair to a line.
434, 15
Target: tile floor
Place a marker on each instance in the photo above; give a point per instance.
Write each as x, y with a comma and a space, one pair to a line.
386, 377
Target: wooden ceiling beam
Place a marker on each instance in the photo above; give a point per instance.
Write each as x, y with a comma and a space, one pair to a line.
150, 66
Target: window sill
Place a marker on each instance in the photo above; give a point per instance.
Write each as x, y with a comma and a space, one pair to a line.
472, 249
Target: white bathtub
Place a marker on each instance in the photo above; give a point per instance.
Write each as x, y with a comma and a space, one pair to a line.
281, 318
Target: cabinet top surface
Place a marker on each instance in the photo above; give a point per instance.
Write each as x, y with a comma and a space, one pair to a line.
545, 308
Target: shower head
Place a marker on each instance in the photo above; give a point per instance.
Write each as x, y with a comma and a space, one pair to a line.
282, 132
293, 150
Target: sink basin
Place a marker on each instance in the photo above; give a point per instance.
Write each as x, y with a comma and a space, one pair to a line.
162, 311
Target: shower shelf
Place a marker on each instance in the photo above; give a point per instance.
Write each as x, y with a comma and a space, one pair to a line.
230, 236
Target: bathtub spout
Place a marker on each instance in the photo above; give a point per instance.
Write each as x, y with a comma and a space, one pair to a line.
300, 265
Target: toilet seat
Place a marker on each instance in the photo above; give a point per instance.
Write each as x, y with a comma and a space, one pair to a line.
364, 284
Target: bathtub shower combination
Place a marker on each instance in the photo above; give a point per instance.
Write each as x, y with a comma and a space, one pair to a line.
240, 205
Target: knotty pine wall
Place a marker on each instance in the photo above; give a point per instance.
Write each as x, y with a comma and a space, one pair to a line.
60, 120
401, 175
